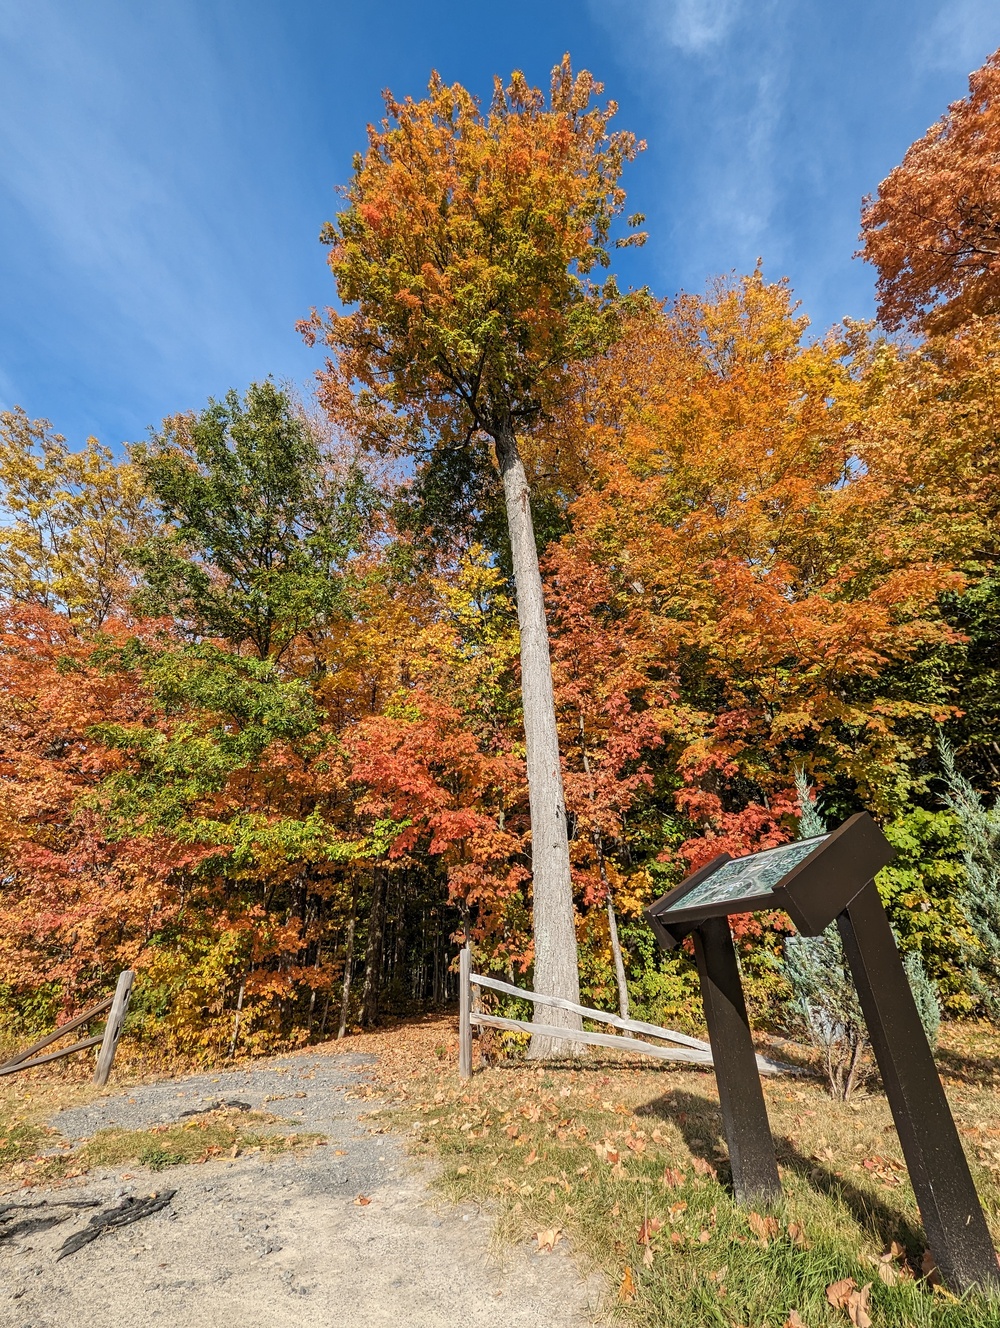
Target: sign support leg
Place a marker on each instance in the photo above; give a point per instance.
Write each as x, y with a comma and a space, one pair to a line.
744, 1115
953, 1219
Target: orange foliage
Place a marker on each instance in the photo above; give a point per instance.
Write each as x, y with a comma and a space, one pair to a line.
933, 230
765, 564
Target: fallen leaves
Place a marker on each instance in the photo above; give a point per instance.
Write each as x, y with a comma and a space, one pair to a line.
764, 1228
885, 1169
703, 1168
626, 1291
888, 1272
548, 1239
854, 1300
929, 1269
672, 1178
795, 1320
362, 1201
649, 1228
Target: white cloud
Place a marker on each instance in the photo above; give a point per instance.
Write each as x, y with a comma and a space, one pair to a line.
715, 74
697, 25
654, 28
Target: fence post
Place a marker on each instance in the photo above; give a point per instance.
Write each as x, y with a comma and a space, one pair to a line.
113, 1028
465, 1013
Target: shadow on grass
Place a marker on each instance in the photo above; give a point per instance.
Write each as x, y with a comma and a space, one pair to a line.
976, 1071
699, 1121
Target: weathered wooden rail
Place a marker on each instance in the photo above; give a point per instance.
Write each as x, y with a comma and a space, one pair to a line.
683, 1047
117, 1007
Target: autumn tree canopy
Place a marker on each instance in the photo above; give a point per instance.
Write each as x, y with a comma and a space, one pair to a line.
569, 592
933, 229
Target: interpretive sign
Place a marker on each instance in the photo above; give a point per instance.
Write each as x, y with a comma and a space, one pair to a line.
816, 882
748, 882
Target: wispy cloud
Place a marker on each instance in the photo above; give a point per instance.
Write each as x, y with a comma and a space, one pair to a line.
135, 232
962, 33
717, 74
693, 26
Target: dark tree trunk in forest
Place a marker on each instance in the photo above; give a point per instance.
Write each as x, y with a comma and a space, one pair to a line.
373, 952
345, 999
556, 964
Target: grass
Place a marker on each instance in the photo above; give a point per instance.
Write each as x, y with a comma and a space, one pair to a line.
627, 1164
32, 1153
216, 1134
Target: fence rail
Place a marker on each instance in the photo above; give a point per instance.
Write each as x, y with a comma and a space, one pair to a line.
117, 1005
694, 1051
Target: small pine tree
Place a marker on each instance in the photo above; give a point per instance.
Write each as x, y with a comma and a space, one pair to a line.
811, 820
823, 991
823, 994
925, 994
980, 900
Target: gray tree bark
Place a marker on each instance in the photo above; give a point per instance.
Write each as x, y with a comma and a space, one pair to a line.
556, 964
345, 997
616, 948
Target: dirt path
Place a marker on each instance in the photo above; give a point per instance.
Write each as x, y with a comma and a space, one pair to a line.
268, 1243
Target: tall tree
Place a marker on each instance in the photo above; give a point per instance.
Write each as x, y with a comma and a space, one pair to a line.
746, 517
933, 229
467, 247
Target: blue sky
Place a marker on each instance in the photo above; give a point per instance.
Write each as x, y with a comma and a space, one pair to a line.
165, 165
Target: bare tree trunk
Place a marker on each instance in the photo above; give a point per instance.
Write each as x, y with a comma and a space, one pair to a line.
616, 948
345, 999
556, 965
373, 952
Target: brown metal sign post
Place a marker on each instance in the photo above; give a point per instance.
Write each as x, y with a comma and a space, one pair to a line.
817, 881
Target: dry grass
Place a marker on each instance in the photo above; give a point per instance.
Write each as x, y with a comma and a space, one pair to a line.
627, 1162
32, 1153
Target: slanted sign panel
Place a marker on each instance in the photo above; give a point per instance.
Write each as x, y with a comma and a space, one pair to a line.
743, 879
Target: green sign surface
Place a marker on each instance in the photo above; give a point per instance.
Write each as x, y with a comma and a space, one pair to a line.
745, 878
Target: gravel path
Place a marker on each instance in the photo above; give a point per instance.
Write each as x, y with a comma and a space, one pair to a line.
269, 1243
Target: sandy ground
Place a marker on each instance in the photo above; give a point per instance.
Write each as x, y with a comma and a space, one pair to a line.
254, 1243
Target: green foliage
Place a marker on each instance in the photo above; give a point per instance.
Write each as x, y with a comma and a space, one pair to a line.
921, 891
823, 995
979, 827
259, 530
67, 521
976, 679
925, 994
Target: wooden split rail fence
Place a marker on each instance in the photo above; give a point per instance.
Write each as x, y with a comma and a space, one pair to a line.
117, 1007
684, 1048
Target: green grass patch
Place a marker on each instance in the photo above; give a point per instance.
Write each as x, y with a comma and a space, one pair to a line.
214, 1136
19, 1140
